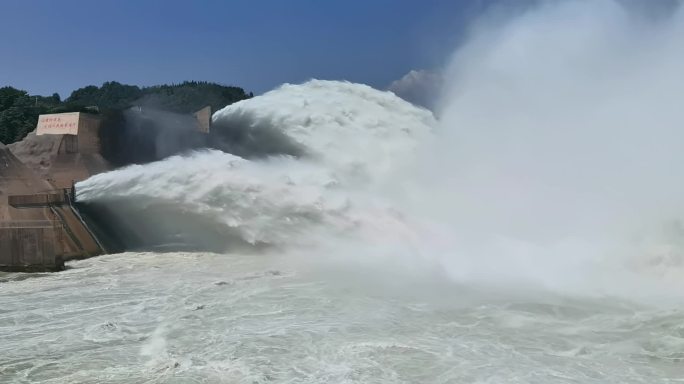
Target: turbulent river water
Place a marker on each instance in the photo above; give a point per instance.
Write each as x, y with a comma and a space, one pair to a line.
210, 318
530, 234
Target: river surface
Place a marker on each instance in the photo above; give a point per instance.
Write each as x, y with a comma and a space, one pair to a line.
210, 318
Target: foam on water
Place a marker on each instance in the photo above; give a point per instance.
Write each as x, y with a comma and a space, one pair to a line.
186, 317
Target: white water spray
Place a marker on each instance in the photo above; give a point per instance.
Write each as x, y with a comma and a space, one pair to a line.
553, 166
560, 143
355, 139
553, 163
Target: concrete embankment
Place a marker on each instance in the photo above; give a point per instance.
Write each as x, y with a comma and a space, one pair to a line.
36, 245
39, 228
40, 224
30, 246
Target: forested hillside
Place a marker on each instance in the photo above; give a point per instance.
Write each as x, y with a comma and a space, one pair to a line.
19, 111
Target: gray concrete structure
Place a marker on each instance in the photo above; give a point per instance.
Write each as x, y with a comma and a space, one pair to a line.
30, 246
39, 227
203, 117
45, 244
64, 151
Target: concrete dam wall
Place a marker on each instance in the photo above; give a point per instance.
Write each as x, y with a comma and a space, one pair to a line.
41, 224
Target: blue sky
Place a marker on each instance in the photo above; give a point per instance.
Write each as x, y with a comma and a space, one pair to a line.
58, 46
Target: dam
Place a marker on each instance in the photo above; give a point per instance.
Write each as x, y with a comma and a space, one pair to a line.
41, 225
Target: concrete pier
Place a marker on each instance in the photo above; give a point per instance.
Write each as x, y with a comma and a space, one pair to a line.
30, 246
40, 228
40, 224
44, 245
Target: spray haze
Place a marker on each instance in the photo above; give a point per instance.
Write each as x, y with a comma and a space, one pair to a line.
348, 139
561, 134
553, 161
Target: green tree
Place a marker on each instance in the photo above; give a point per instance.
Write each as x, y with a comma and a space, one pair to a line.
17, 119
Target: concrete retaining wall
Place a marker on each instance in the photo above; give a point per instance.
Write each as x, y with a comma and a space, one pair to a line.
30, 246
42, 199
89, 134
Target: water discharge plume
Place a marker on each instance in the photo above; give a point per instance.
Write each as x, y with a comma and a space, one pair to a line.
553, 162
560, 138
351, 128
354, 139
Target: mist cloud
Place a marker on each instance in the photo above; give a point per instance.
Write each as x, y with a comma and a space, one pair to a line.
420, 87
561, 130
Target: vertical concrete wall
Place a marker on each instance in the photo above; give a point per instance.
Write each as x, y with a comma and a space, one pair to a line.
78, 156
85, 244
78, 132
88, 134
69, 144
203, 117
25, 247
